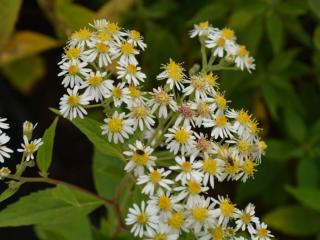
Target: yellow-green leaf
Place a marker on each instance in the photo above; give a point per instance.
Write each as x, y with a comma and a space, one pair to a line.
24, 44
275, 32
112, 10
308, 196
9, 10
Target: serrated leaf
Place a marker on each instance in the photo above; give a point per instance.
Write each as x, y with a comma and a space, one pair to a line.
43, 206
24, 73
308, 196
307, 173
44, 155
315, 6
8, 15
294, 220
275, 32
24, 44
113, 10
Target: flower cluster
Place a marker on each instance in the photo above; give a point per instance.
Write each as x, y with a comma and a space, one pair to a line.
179, 139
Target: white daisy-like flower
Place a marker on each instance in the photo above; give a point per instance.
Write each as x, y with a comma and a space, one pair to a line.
186, 115
136, 38
126, 52
130, 72
143, 219
29, 148
197, 85
165, 203
260, 149
161, 100
99, 24
211, 168
174, 74
241, 148
162, 232
187, 169
155, 179
262, 232
204, 145
3, 124
246, 219
226, 210
222, 42
202, 29
221, 127
180, 139
248, 168
136, 96
71, 53
100, 50
4, 150
72, 104
212, 83
201, 215
119, 94
215, 232
203, 109
114, 30
139, 158
141, 115
176, 221
97, 86
80, 38
117, 127
221, 103
242, 57
74, 72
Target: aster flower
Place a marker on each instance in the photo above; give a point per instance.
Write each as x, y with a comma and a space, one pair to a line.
125, 52
262, 232
161, 100
226, 210
29, 148
74, 72
119, 94
3, 124
141, 115
246, 219
99, 50
4, 150
211, 168
131, 73
163, 232
222, 42
202, 29
80, 38
221, 126
180, 139
136, 39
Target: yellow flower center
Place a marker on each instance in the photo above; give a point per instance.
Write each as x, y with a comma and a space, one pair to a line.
262, 145
73, 69
176, 220
162, 97
135, 35
243, 146
132, 69
142, 218
155, 176
30, 148
220, 101
102, 47
211, 79
140, 158
95, 80
200, 214
203, 144
253, 126
182, 135
204, 25
164, 203
221, 42
249, 167
112, 28
199, 84
217, 233
194, 187
243, 117
227, 207
160, 236
232, 167
242, 51
221, 121
83, 34
134, 92
203, 109
73, 100
103, 36
140, 112
186, 166
262, 232
246, 218
174, 71
210, 166
127, 48
116, 92
228, 33
72, 52
115, 125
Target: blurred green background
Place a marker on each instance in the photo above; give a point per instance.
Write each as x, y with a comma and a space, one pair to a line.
283, 93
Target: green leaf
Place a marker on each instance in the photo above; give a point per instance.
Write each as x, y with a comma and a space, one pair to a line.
113, 9
210, 12
24, 44
44, 206
74, 227
107, 173
315, 6
316, 37
281, 150
293, 8
44, 155
307, 173
308, 196
73, 16
24, 73
295, 125
271, 97
13, 187
294, 220
275, 32
8, 15
283, 60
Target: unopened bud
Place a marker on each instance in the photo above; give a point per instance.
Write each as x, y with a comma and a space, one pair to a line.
4, 172
28, 128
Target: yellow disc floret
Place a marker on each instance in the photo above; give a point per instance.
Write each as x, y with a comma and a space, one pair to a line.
115, 125
200, 214
182, 135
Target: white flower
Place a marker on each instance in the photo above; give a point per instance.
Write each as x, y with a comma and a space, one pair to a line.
176, 221
242, 57
96, 86
144, 220
226, 210
262, 232
173, 72
71, 53
250, 65
72, 104
203, 145
119, 93
260, 148
136, 38
221, 127
131, 72
114, 30
100, 50
201, 215
202, 29
141, 115
74, 72
29, 148
161, 100
215, 232
99, 24
203, 109
117, 128
80, 38
162, 232
3, 124
156, 178
222, 42
245, 219
180, 139
197, 85
186, 116
140, 157
4, 150
188, 169
126, 52
211, 168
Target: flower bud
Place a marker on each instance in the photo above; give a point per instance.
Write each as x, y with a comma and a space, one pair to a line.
4, 172
28, 128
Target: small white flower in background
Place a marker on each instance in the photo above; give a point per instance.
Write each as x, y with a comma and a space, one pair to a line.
262, 232
143, 219
4, 172
80, 38
141, 115
202, 29
197, 85
3, 124
71, 53
99, 24
180, 139
74, 72
242, 57
222, 42
211, 168
246, 219
100, 50
203, 109
120, 94
161, 100
162, 232
226, 210
126, 52
4, 150
186, 116
136, 38
220, 125
131, 73
72, 104
140, 158
29, 148
117, 127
